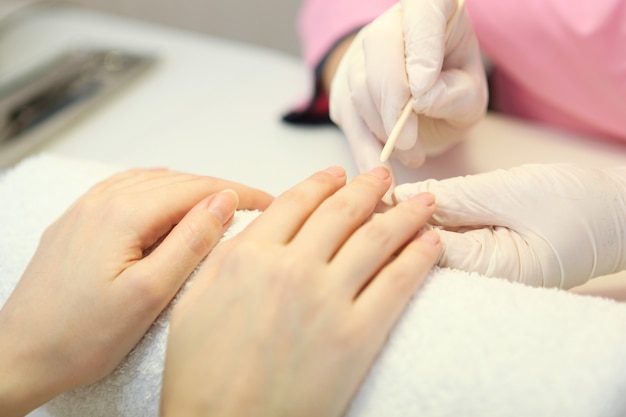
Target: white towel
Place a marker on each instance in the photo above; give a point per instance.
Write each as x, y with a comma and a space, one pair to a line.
466, 346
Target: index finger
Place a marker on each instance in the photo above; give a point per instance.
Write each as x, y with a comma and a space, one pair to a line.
153, 178
163, 198
284, 217
249, 198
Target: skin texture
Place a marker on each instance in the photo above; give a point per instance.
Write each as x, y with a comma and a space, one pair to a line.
97, 280
286, 318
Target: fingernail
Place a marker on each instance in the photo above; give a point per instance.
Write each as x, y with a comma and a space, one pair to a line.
426, 199
380, 172
431, 237
336, 171
223, 205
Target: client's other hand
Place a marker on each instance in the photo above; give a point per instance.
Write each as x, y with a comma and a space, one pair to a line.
286, 318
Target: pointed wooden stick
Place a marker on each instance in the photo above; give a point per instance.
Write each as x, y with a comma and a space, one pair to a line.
408, 107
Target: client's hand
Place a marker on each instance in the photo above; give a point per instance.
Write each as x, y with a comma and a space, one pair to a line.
98, 280
417, 51
286, 318
544, 225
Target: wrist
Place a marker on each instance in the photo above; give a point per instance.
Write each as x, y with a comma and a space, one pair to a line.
27, 381
617, 236
598, 222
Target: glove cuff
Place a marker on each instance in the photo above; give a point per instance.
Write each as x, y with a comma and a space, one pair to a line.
611, 249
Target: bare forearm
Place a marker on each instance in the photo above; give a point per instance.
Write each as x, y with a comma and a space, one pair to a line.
26, 382
18, 395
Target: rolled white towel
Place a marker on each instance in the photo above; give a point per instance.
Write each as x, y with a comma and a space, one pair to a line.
466, 346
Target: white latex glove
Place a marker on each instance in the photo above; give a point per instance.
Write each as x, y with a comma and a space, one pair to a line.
403, 55
545, 225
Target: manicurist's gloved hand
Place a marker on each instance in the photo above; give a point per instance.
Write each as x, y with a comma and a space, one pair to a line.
406, 54
544, 225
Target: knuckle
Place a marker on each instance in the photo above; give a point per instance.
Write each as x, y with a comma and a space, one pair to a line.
378, 232
320, 183
349, 335
200, 236
120, 211
294, 196
289, 280
102, 208
350, 209
415, 211
241, 257
369, 181
404, 280
146, 292
288, 277
114, 208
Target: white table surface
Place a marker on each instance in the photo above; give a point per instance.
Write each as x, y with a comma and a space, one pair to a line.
213, 107
209, 106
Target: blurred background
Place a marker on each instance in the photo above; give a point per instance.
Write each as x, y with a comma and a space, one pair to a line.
267, 22
42, 74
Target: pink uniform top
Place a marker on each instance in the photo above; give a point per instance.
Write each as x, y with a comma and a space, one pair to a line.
560, 62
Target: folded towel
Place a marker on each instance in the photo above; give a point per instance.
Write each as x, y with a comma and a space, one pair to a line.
466, 346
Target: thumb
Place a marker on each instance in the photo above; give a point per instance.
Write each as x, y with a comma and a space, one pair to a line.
424, 25
386, 98
457, 95
171, 263
467, 201
496, 252
365, 148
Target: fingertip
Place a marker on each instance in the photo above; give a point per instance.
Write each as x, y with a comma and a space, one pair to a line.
425, 198
261, 202
426, 248
253, 199
222, 205
407, 190
380, 172
336, 171
431, 238
266, 201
